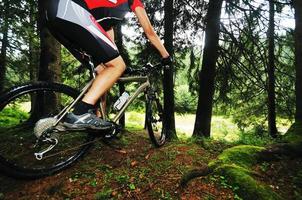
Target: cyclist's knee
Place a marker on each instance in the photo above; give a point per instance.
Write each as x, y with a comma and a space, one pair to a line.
117, 63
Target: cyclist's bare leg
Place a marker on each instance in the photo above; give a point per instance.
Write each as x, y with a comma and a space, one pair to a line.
105, 80
101, 110
99, 70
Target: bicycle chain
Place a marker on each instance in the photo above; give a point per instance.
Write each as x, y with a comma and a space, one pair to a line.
106, 136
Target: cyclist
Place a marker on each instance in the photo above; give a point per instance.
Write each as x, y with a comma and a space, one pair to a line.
88, 26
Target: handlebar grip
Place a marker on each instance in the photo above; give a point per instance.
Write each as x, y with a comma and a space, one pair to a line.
144, 70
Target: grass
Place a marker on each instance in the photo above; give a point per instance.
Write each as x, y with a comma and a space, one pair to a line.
109, 173
222, 129
12, 116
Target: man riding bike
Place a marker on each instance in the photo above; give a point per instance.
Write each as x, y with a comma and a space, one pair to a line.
88, 25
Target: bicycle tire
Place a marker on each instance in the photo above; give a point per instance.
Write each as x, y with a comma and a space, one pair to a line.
17, 138
154, 120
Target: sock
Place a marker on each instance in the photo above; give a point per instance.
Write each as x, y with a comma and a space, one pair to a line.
82, 108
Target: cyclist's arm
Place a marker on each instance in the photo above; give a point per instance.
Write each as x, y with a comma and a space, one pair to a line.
149, 31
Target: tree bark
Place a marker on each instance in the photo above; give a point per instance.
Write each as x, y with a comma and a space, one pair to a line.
5, 43
49, 68
298, 58
207, 74
123, 52
120, 44
168, 82
50, 51
33, 48
271, 72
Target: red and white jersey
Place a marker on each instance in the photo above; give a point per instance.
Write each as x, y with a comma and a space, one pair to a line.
92, 4
109, 12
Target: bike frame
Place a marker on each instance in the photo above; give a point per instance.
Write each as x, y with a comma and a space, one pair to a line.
145, 83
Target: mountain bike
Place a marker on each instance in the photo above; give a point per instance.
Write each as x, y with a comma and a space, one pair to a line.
35, 143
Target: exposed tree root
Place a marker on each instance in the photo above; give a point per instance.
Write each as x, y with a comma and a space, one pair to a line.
271, 153
236, 164
204, 170
277, 151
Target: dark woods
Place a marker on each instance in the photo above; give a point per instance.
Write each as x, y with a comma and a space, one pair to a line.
236, 57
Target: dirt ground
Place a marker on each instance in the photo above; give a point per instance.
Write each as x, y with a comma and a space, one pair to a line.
128, 168
131, 168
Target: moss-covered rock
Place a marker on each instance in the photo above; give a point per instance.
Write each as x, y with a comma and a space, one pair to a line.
235, 164
294, 133
247, 187
243, 156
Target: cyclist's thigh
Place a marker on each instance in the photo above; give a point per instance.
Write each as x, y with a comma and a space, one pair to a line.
72, 21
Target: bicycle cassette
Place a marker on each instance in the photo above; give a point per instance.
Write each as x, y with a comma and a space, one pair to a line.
42, 125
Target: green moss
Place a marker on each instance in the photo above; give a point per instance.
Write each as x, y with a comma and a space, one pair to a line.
247, 186
298, 179
243, 155
104, 194
294, 133
235, 165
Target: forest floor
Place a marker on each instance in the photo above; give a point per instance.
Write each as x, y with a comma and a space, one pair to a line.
131, 168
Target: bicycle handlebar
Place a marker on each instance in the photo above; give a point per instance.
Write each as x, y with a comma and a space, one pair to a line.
147, 69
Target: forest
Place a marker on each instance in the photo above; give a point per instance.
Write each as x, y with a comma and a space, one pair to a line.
232, 106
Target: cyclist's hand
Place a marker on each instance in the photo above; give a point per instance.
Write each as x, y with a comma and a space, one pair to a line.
166, 61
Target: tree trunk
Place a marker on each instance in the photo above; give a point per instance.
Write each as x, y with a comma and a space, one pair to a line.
49, 68
271, 72
50, 51
5, 43
207, 74
120, 44
298, 58
168, 83
33, 49
125, 56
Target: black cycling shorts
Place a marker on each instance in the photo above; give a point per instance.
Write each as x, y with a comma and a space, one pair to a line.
75, 27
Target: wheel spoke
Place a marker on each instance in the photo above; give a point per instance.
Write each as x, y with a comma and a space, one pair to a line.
154, 121
19, 125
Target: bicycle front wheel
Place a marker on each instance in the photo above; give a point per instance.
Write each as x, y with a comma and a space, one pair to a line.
154, 120
20, 110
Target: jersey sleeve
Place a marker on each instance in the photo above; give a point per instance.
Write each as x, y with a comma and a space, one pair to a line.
135, 4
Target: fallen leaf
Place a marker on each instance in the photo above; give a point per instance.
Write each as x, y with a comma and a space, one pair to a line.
121, 151
114, 193
132, 179
134, 163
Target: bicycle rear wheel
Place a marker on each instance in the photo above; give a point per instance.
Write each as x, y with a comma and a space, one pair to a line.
154, 120
20, 109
